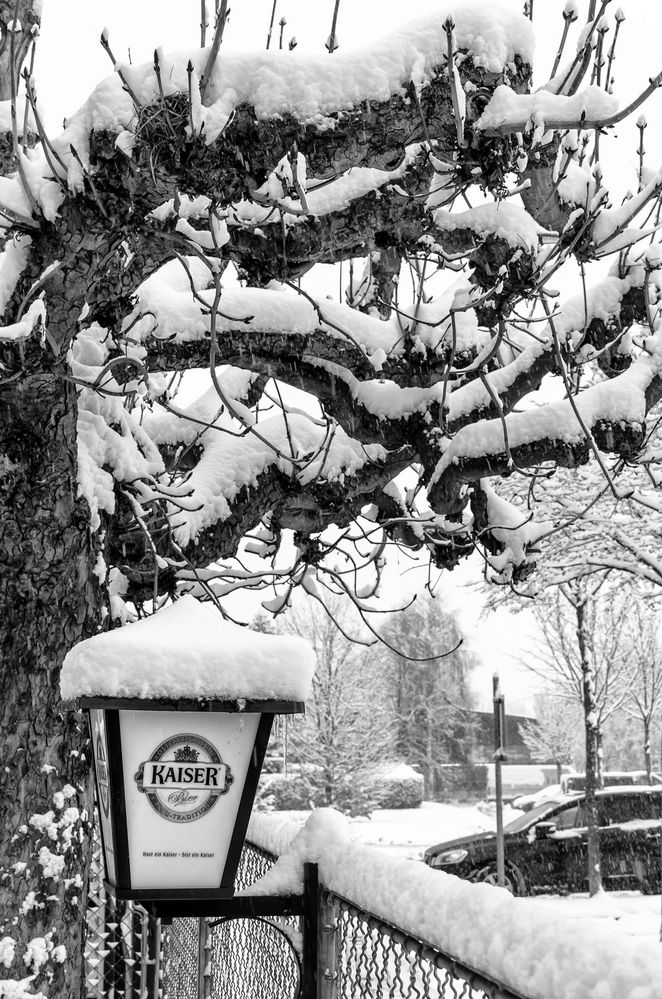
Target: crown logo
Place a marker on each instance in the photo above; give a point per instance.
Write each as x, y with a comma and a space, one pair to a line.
186, 755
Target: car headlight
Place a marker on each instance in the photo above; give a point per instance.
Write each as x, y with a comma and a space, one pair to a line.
448, 857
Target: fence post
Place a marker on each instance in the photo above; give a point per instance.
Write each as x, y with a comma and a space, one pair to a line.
150, 957
310, 930
327, 953
204, 970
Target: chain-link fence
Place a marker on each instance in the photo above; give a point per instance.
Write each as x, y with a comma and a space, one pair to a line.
368, 958
360, 955
183, 959
252, 958
233, 958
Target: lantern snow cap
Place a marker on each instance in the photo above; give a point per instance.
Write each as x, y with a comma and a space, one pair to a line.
187, 650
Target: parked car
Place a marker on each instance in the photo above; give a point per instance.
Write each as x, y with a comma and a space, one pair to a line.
576, 784
610, 778
545, 848
525, 802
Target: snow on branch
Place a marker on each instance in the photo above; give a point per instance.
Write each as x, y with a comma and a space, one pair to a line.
503, 220
590, 319
509, 112
621, 401
312, 88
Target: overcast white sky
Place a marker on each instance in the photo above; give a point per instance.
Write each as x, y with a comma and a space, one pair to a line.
70, 61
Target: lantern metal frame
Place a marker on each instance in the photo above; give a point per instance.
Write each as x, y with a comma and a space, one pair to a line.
182, 901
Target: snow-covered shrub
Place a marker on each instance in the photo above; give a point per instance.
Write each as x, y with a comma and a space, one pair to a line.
288, 792
392, 785
273, 764
305, 787
397, 786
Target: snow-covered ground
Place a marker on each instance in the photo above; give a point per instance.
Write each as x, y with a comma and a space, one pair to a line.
408, 832
405, 833
629, 912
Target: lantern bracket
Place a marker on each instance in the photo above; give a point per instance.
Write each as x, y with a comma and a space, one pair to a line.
238, 907
261, 907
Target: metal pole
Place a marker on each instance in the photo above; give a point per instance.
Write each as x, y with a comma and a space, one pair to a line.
327, 958
204, 949
499, 757
150, 947
310, 931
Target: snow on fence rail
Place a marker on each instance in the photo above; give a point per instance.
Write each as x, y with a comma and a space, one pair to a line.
514, 943
390, 928
361, 956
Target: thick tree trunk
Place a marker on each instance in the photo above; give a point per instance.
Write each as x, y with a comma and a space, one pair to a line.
49, 600
591, 733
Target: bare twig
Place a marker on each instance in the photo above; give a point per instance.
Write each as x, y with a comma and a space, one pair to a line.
49, 152
271, 23
332, 41
569, 17
219, 28
641, 125
125, 83
620, 17
203, 24
166, 113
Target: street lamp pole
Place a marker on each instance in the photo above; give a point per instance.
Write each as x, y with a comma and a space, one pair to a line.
499, 756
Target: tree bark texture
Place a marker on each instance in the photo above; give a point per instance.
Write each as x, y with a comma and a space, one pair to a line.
50, 600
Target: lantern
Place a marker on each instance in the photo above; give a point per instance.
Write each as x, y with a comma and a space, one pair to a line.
181, 707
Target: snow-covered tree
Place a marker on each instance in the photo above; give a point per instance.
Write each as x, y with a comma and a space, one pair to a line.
584, 652
172, 226
645, 651
429, 694
335, 749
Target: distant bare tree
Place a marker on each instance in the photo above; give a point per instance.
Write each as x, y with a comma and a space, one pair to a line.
347, 729
553, 733
583, 653
645, 653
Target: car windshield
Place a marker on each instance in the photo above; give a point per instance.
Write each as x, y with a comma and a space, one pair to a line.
528, 818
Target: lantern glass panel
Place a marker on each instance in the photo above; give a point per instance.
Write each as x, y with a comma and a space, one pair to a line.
101, 763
